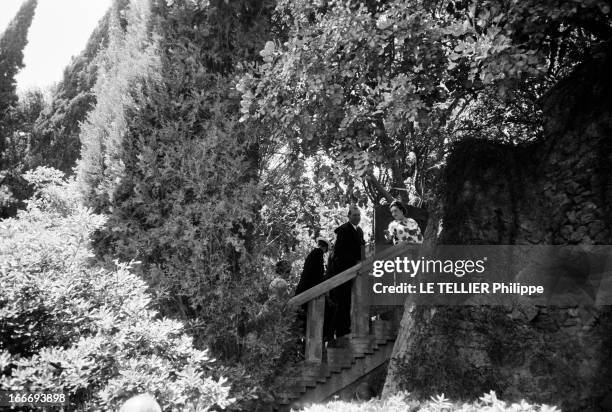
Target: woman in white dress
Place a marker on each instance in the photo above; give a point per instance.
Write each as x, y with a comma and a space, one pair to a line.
402, 228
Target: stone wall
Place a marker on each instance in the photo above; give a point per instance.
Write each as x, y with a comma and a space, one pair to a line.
555, 191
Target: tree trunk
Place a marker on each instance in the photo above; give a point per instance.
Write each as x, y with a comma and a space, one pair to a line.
555, 191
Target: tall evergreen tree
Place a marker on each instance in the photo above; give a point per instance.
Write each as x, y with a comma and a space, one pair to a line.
56, 140
128, 61
186, 201
12, 43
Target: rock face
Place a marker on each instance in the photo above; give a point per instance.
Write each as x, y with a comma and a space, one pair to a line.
555, 191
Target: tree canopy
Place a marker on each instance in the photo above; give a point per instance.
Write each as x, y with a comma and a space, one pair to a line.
384, 87
12, 42
56, 135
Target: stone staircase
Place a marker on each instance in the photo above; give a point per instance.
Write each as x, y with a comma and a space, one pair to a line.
352, 359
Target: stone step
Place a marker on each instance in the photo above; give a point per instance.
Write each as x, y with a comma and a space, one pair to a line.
295, 388
362, 345
340, 356
298, 382
304, 379
381, 329
319, 372
285, 398
315, 377
335, 368
288, 394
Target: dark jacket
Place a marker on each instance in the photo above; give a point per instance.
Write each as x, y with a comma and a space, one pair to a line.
313, 271
347, 249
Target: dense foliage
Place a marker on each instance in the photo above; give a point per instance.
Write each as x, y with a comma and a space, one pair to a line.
56, 134
12, 42
163, 153
401, 402
14, 188
384, 87
218, 139
66, 325
129, 60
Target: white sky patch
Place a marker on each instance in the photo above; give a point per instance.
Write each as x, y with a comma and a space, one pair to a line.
59, 31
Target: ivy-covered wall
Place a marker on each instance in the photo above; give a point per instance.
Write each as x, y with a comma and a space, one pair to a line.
554, 191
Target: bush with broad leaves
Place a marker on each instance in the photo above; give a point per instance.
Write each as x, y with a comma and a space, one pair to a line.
401, 402
66, 325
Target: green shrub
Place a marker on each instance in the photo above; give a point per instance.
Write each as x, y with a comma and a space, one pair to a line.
187, 200
67, 325
402, 402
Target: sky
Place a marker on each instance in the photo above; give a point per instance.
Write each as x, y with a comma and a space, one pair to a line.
60, 30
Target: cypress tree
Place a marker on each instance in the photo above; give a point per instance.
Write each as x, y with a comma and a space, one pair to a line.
12, 43
57, 142
128, 61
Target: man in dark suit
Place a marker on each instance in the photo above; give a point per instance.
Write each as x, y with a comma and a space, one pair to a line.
347, 253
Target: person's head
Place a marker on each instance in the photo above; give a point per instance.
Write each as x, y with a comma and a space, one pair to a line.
354, 215
141, 403
397, 210
323, 244
283, 267
278, 288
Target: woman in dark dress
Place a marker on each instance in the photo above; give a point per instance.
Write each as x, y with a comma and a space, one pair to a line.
312, 274
314, 268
